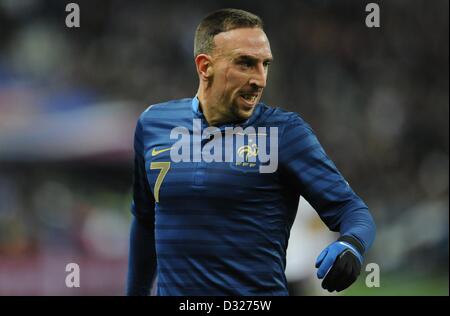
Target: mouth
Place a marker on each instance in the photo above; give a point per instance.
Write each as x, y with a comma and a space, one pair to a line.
249, 98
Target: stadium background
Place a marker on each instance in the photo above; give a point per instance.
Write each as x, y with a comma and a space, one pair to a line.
69, 100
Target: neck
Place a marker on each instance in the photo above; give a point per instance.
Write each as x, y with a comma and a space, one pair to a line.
211, 108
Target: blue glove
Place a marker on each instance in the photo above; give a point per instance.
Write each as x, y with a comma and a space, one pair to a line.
339, 265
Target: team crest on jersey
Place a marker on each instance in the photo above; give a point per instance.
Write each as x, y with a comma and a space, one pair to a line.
248, 151
247, 158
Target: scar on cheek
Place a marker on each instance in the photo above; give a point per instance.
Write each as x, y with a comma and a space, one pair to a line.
227, 72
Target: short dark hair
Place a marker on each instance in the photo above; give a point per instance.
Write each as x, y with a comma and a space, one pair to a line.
222, 21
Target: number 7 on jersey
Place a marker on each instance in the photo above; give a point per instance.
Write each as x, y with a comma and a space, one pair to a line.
164, 167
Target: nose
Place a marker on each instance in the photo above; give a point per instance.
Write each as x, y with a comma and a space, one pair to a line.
259, 77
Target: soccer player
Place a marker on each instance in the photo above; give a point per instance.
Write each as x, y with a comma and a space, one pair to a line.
213, 227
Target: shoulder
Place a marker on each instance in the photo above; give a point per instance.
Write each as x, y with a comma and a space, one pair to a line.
165, 109
277, 116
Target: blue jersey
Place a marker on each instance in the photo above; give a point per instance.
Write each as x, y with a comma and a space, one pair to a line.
221, 227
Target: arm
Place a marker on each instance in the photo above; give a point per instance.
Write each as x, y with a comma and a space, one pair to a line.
142, 259
317, 179
142, 255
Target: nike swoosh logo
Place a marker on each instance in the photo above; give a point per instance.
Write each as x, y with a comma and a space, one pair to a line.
156, 152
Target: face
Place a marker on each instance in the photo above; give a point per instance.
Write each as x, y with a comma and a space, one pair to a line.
240, 63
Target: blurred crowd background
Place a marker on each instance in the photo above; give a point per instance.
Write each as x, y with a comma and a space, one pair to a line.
69, 99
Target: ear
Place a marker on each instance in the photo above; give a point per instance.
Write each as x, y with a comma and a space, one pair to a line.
204, 66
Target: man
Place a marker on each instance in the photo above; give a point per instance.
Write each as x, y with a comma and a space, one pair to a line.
213, 227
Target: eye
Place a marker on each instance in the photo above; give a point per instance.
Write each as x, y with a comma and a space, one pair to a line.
267, 64
245, 63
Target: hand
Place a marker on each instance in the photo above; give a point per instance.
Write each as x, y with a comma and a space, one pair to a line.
340, 264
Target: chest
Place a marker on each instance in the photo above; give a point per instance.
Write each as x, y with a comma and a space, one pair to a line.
209, 165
